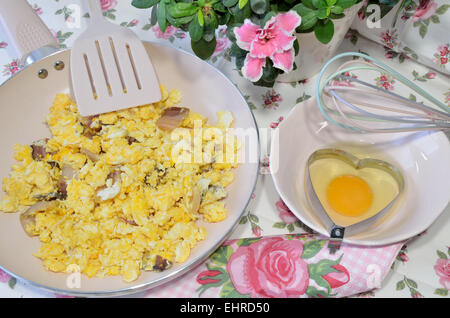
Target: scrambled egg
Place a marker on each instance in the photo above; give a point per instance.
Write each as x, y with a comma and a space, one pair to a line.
109, 194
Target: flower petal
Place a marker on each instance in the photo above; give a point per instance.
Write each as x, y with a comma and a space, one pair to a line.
280, 42
288, 21
284, 61
245, 34
253, 68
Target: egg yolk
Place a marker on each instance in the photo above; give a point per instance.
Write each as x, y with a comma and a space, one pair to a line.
349, 195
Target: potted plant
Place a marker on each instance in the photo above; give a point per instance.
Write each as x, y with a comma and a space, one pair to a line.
266, 35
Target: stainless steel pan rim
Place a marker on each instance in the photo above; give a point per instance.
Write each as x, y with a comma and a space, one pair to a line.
193, 263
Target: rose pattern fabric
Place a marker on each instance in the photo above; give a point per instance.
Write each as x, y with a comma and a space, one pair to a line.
442, 269
425, 10
108, 4
269, 268
418, 267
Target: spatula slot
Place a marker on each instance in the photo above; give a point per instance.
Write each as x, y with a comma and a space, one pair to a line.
89, 72
102, 62
133, 65
119, 70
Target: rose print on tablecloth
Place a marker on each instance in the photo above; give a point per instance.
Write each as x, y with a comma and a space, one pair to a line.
385, 81
389, 38
427, 11
108, 4
442, 270
271, 99
442, 56
12, 68
288, 219
270, 267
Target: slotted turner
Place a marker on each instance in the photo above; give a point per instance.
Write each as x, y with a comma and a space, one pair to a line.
110, 68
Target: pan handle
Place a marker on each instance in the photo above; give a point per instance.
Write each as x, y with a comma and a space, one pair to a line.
25, 29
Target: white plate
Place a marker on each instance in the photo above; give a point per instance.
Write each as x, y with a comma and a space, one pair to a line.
423, 158
25, 102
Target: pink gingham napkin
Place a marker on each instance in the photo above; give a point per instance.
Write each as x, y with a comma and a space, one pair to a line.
284, 266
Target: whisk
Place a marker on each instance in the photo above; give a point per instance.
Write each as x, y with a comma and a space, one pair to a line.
351, 103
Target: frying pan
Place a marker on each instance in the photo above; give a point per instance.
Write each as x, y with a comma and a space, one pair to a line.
25, 100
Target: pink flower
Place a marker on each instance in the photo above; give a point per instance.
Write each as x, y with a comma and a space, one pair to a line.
425, 10
274, 41
256, 230
170, 30
430, 75
270, 267
108, 4
4, 276
222, 44
338, 278
3, 44
442, 269
403, 257
444, 60
37, 9
133, 22
285, 214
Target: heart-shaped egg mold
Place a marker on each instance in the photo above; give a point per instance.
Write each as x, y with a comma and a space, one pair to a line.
384, 179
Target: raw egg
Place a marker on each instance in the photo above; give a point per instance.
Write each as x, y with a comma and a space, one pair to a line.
349, 194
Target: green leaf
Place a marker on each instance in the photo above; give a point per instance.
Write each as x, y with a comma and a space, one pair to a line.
435, 19
331, 2
240, 14
195, 29
308, 21
308, 3
259, 6
242, 3
253, 218
311, 248
324, 31
411, 283
423, 31
323, 13
153, 16
441, 292
337, 9
247, 241
229, 3
302, 10
209, 31
204, 49
161, 16
143, 4
12, 282
182, 9
345, 3
319, 3
442, 9
228, 291
313, 292
279, 225
400, 285
441, 254
221, 255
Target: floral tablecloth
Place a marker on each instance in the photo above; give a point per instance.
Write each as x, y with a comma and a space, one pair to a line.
422, 266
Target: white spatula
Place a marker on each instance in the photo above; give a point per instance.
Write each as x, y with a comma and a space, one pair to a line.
110, 68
